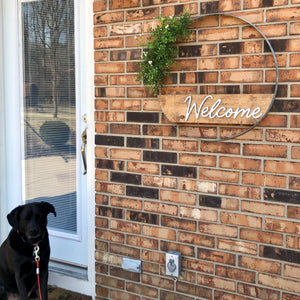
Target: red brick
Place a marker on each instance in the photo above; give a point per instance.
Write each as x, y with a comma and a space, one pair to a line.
283, 14
196, 239
101, 56
293, 212
125, 104
145, 168
252, 135
142, 242
126, 202
110, 188
101, 68
198, 186
294, 183
234, 273
218, 63
100, 32
292, 75
109, 281
218, 34
282, 226
218, 229
274, 121
125, 226
124, 29
107, 43
241, 76
159, 232
99, 5
124, 129
178, 197
275, 30
195, 290
239, 163
292, 271
141, 289
197, 159
125, 154
198, 213
157, 181
279, 282
157, 281
240, 191
198, 132
117, 295
161, 208
109, 116
295, 90
285, 136
196, 265
296, 152
220, 147
218, 175
186, 250
261, 265
295, 121
293, 242
284, 167
241, 220
265, 150
158, 130
263, 61
263, 208
237, 246
261, 236
124, 250
153, 256
215, 282
264, 180
257, 292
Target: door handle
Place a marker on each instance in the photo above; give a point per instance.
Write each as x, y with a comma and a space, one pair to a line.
83, 149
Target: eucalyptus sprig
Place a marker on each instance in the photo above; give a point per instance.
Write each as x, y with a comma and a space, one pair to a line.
161, 50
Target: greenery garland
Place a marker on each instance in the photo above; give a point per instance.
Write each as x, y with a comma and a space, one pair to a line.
161, 50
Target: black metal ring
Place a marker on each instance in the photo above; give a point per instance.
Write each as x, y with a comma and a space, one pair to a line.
276, 67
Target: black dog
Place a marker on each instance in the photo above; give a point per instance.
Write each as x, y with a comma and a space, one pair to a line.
18, 265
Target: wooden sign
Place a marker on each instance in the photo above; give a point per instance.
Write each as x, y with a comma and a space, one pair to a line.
231, 109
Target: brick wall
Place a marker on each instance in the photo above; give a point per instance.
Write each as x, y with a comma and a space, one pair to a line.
232, 208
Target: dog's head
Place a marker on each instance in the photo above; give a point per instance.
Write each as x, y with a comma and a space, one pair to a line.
30, 220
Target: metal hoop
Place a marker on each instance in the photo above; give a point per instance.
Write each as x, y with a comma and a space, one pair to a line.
276, 67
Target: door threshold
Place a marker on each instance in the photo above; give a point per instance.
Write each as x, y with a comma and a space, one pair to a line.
75, 271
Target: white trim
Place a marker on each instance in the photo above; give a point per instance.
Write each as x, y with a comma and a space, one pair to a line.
87, 76
3, 204
12, 143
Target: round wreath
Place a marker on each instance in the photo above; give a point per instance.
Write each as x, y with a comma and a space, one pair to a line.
161, 50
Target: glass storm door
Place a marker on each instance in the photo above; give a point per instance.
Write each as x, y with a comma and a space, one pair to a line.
50, 112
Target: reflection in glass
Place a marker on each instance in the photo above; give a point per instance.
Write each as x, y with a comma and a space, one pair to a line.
49, 109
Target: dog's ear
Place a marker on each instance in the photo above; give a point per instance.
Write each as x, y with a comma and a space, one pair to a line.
47, 208
13, 216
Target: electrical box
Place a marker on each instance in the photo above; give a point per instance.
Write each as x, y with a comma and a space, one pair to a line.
173, 263
132, 265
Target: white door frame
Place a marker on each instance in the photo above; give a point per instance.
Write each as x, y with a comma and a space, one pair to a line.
10, 198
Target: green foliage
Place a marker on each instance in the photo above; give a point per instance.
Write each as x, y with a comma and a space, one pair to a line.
55, 133
162, 50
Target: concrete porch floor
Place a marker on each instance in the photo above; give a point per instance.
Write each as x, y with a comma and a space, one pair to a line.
55, 293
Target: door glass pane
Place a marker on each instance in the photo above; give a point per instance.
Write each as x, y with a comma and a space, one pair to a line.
49, 109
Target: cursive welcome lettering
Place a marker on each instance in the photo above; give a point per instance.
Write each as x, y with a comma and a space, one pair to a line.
216, 110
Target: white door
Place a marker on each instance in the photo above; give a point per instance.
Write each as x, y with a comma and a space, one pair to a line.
44, 104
